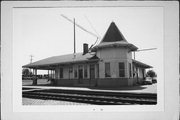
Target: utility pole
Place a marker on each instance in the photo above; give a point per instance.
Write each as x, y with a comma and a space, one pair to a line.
79, 26
82, 28
74, 39
31, 58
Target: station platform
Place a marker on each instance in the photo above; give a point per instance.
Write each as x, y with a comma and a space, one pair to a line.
132, 89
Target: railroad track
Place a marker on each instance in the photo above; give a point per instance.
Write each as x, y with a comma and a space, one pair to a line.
93, 97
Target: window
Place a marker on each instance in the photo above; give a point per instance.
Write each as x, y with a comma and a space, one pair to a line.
61, 72
70, 70
85, 71
107, 70
134, 71
130, 70
75, 73
92, 71
97, 70
80, 71
121, 69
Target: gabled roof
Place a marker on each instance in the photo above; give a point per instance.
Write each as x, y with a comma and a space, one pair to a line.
114, 38
63, 59
140, 64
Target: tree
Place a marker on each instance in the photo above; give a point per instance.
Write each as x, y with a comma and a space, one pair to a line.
26, 71
151, 74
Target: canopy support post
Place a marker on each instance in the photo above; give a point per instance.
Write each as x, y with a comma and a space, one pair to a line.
34, 76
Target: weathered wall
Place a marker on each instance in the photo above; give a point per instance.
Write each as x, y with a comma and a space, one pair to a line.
65, 82
131, 81
114, 56
107, 82
76, 82
140, 72
70, 75
115, 53
56, 73
112, 82
114, 68
65, 72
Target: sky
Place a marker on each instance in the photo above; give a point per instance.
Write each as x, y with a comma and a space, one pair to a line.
43, 32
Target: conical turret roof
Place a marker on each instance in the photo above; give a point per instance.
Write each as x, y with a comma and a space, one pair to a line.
113, 34
114, 38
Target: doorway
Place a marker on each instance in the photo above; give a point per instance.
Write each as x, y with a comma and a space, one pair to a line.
92, 71
80, 73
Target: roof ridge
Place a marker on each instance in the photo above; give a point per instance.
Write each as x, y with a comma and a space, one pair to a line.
68, 54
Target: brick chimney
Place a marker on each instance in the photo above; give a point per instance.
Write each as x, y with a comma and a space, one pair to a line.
85, 48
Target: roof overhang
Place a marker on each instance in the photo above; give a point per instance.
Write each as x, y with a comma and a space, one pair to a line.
115, 44
141, 65
54, 65
52, 62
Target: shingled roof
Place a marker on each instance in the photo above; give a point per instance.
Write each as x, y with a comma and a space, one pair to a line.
63, 59
113, 34
114, 38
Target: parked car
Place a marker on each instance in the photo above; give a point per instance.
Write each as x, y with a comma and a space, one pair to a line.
154, 80
147, 81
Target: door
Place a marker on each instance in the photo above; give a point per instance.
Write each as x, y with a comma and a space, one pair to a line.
92, 71
80, 74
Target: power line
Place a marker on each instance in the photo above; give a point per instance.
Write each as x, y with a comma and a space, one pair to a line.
92, 26
79, 26
94, 31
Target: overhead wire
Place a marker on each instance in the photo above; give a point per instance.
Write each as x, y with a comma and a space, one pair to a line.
78, 25
93, 30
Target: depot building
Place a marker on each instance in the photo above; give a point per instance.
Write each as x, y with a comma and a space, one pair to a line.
108, 64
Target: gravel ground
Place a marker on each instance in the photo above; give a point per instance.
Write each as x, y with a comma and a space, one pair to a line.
29, 101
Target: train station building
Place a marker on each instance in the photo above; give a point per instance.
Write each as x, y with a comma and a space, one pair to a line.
108, 64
